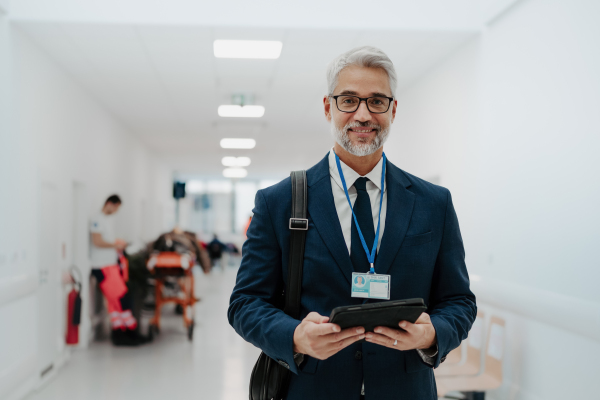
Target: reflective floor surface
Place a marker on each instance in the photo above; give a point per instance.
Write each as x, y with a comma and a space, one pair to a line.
216, 365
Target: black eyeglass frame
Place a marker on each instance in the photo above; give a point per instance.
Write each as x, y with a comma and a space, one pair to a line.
360, 100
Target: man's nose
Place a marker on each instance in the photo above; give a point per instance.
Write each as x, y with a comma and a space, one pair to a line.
362, 114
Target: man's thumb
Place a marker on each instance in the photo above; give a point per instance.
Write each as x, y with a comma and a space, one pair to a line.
316, 318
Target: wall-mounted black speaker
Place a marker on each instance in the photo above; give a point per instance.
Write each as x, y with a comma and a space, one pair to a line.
178, 190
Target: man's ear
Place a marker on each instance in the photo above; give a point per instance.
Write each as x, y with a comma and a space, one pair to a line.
327, 107
394, 106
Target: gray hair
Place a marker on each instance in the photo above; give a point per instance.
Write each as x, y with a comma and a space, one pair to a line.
364, 56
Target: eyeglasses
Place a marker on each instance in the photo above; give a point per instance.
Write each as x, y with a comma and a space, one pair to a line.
375, 105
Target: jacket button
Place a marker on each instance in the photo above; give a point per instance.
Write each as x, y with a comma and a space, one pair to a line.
358, 355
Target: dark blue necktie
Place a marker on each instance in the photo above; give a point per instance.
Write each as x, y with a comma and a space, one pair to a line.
364, 215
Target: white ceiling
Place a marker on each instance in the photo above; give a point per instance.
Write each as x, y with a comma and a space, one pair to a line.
165, 85
314, 14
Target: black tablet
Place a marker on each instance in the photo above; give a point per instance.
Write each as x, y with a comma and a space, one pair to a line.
386, 313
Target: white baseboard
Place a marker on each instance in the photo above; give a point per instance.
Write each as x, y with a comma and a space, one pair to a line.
58, 364
24, 389
22, 379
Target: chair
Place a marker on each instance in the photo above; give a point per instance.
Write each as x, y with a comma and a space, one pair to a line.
472, 364
491, 377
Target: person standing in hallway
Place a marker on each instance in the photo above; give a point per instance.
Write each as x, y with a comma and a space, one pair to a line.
215, 250
354, 192
109, 267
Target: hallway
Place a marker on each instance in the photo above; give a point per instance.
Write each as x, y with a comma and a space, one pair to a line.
190, 116
215, 365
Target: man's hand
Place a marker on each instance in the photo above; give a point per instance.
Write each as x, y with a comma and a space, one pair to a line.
120, 244
420, 335
319, 339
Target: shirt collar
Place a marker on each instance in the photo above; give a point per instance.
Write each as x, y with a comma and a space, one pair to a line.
350, 175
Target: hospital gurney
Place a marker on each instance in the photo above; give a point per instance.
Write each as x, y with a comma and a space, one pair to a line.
165, 265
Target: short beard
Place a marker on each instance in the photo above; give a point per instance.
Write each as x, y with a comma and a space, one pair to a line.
365, 146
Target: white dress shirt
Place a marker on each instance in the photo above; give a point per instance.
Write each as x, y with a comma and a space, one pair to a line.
345, 213
341, 203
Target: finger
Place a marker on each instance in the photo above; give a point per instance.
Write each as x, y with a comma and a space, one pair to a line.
424, 318
388, 342
316, 318
342, 344
346, 333
412, 329
325, 329
389, 332
382, 340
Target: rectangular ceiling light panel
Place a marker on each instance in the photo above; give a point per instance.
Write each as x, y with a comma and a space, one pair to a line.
235, 173
236, 161
230, 143
235, 111
261, 49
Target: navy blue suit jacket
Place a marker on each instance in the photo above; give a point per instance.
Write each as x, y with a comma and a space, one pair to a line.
421, 249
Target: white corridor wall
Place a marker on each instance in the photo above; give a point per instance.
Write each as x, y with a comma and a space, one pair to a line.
53, 132
18, 279
510, 125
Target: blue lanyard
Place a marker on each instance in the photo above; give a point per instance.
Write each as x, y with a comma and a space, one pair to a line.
370, 254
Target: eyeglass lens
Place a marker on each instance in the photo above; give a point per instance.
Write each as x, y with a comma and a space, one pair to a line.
374, 104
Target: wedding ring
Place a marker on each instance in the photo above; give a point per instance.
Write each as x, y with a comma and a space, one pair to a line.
396, 342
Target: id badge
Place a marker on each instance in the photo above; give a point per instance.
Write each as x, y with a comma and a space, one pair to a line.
370, 286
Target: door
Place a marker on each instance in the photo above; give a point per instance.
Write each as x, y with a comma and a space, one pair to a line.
80, 256
49, 282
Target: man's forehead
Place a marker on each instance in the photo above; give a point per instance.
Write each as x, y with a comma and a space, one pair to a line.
355, 93
363, 81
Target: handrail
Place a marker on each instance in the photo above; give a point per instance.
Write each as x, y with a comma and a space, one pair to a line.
15, 287
566, 312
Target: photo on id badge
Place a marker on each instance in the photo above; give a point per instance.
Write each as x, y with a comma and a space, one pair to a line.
370, 286
359, 281
360, 285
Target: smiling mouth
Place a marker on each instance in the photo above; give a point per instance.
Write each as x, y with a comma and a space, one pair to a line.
363, 132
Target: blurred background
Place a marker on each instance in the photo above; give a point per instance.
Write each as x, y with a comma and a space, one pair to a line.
498, 100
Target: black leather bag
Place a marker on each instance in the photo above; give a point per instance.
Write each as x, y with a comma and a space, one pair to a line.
269, 379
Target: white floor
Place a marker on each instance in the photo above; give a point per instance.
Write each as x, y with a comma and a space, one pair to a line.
216, 365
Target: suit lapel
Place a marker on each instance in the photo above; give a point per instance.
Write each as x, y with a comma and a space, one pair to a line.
400, 203
321, 209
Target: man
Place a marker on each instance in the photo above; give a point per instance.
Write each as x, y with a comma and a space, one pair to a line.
109, 267
419, 246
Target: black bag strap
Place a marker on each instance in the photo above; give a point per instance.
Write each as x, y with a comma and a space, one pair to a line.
298, 227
